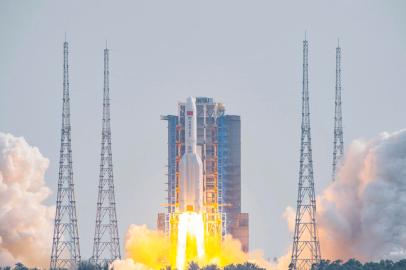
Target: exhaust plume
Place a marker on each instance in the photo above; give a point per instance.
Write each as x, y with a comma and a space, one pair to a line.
148, 249
25, 222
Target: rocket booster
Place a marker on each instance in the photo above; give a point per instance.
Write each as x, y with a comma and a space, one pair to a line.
190, 166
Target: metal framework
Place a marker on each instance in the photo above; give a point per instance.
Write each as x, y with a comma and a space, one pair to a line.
338, 150
65, 247
172, 173
222, 149
106, 245
306, 247
209, 115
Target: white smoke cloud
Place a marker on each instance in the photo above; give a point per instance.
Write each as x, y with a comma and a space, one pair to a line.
25, 221
129, 264
363, 213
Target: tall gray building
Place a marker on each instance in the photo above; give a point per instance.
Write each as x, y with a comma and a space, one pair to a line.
229, 179
219, 146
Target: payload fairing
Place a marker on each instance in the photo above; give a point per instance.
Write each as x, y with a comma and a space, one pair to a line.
190, 166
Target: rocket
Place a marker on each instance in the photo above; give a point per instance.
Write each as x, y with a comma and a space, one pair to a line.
190, 166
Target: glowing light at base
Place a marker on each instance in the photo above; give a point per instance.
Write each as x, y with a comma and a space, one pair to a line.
190, 244
147, 249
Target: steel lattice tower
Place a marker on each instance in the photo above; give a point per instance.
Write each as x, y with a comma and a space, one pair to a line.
65, 247
106, 245
338, 151
306, 247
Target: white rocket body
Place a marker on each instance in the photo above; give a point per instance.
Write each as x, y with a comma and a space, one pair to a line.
190, 166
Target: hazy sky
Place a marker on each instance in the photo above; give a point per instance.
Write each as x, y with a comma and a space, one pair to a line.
246, 54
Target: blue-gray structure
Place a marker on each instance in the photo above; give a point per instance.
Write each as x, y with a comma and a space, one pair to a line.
229, 178
219, 145
172, 169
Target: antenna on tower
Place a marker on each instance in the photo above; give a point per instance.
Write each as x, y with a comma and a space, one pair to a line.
338, 150
306, 246
106, 245
65, 246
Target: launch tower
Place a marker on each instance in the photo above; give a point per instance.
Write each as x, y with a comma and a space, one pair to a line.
306, 247
338, 150
106, 245
65, 246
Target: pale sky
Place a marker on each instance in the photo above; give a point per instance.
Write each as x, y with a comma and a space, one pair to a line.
246, 54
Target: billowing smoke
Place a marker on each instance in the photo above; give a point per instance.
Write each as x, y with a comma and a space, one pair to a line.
363, 213
25, 222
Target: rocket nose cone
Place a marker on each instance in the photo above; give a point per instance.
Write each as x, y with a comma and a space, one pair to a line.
190, 100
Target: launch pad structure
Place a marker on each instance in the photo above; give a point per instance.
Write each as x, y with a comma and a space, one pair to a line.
219, 146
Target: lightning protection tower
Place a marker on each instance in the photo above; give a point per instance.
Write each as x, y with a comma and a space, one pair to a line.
338, 150
65, 247
306, 247
106, 245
